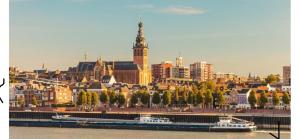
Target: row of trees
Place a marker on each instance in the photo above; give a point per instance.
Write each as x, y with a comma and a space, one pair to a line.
263, 99
202, 95
88, 100
91, 99
21, 101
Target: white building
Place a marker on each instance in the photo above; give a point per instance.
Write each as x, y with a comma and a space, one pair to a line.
286, 88
15, 92
243, 98
108, 80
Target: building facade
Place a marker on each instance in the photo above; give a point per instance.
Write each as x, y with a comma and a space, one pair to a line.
161, 71
287, 75
201, 71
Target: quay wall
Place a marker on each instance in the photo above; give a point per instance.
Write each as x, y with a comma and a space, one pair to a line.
262, 122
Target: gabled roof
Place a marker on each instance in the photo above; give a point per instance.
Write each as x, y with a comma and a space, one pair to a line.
86, 66
107, 78
96, 85
244, 91
123, 65
256, 85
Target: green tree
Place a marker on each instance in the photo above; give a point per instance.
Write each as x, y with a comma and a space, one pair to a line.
167, 98
112, 98
220, 98
275, 98
95, 99
199, 98
81, 98
203, 86
252, 98
194, 89
12, 78
190, 98
89, 98
208, 98
156, 98
21, 101
145, 98
272, 78
286, 98
121, 99
33, 100
104, 97
210, 85
263, 99
176, 95
134, 99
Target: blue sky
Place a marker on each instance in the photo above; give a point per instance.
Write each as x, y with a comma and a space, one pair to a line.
239, 36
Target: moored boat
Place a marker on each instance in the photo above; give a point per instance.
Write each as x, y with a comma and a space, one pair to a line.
231, 124
225, 124
147, 119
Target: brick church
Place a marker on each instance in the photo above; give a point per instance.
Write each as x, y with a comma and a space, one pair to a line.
131, 72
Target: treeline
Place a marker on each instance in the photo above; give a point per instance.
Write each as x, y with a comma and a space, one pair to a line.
262, 100
203, 95
89, 100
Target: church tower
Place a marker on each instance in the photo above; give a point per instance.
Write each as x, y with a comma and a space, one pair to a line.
140, 49
140, 56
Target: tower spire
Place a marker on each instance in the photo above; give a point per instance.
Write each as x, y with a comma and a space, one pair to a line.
85, 57
140, 38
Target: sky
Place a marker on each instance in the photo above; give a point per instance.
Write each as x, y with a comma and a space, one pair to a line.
239, 36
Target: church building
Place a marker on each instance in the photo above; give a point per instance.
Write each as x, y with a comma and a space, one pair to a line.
131, 72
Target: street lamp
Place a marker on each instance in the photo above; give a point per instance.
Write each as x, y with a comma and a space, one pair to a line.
161, 94
151, 95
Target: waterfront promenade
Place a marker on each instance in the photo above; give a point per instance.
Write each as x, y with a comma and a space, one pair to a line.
192, 111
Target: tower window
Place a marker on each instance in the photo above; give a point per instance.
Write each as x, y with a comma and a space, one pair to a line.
141, 52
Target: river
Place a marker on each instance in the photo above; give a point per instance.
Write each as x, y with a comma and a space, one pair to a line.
85, 133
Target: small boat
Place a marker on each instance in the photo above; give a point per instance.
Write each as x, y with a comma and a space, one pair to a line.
60, 117
231, 124
147, 119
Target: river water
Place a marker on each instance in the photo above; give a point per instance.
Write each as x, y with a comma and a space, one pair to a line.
85, 133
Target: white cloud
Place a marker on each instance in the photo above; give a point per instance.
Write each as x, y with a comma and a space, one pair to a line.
183, 10
142, 6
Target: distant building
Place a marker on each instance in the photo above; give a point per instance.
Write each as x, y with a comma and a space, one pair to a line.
161, 71
243, 98
231, 98
201, 71
56, 95
287, 75
179, 61
108, 80
180, 72
286, 88
15, 93
224, 76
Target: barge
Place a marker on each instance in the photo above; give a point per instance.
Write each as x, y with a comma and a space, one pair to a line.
144, 122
